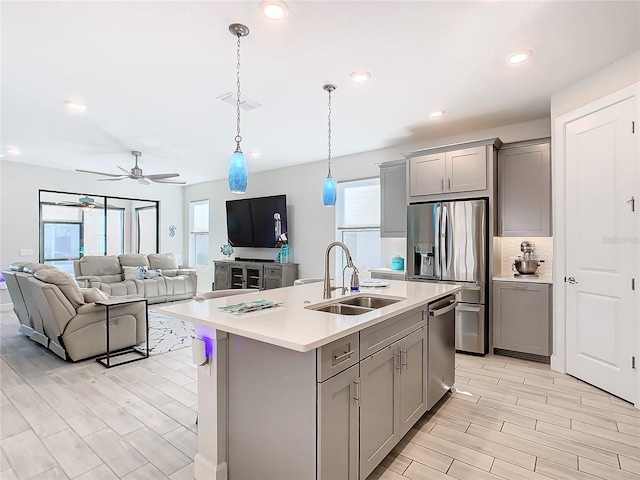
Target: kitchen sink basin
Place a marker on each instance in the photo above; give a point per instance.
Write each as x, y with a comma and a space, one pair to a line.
355, 305
342, 309
369, 302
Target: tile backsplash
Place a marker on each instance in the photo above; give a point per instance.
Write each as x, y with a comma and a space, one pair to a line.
510, 250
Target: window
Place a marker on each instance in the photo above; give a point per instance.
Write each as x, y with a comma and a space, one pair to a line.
199, 242
358, 223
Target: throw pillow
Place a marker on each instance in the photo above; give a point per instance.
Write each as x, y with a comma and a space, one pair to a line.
93, 294
142, 272
154, 273
131, 273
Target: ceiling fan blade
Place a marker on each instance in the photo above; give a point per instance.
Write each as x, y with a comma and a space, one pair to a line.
124, 170
100, 173
143, 181
162, 175
160, 180
112, 179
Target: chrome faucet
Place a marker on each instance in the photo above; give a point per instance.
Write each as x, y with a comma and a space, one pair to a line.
327, 280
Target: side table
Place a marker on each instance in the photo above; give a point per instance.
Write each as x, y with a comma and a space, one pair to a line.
113, 302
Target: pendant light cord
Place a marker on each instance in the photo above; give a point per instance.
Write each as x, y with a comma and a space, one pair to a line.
238, 137
329, 158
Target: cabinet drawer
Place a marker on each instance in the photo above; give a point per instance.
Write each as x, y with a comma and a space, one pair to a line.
388, 276
385, 333
337, 356
273, 272
222, 268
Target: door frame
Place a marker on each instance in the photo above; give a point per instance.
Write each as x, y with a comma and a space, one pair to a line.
558, 185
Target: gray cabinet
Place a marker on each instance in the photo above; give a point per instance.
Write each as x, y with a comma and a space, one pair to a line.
524, 189
454, 171
338, 426
522, 317
393, 199
393, 385
389, 275
222, 274
261, 276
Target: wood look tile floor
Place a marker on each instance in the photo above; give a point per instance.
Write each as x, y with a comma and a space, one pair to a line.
507, 419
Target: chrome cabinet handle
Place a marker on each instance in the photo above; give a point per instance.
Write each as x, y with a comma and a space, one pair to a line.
337, 358
399, 357
357, 390
406, 357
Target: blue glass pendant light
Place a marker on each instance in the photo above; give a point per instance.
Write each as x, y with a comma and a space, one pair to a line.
329, 188
238, 171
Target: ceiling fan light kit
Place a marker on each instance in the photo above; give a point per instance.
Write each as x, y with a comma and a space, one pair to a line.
136, 174
238, 170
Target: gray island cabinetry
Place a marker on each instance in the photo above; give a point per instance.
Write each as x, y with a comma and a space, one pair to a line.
297, 393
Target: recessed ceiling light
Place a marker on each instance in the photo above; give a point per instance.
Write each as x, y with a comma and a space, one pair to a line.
521, 56
274, 9
72, 105
436, 113
13, 151
360, 76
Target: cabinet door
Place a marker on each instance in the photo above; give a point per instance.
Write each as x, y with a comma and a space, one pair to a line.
272, 277
466, 170
413, 378
427, 174
379, 407
338, 426
238, 278
221, 277
393, 201
524, 191
521, 317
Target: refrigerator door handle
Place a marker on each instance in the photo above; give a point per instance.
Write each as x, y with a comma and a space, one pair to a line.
437, 271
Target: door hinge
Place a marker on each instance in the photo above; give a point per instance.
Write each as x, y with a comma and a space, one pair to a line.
632, 201
633, 284
633, 362
633, 127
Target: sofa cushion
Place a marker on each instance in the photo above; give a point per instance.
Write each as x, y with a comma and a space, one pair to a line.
93, 294
133, 260
153, 273
65, 282
119, 289
163, 261
19, 266
34, 267
100, 265
134, 273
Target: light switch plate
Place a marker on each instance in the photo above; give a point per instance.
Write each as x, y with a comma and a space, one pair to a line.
26, 252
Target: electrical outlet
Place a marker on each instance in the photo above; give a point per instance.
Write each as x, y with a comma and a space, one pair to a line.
26, 252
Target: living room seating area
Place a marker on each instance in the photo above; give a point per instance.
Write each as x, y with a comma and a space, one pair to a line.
55, 312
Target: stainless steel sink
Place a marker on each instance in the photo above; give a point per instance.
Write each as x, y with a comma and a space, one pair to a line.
369, 302
355, 305
342, 309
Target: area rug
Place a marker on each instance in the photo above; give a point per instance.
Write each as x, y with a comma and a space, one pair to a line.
167, 334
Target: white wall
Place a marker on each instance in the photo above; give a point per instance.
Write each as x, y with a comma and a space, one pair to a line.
19, 213
311, 225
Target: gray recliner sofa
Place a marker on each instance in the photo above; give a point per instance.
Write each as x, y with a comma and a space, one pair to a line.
154, 276
54, 311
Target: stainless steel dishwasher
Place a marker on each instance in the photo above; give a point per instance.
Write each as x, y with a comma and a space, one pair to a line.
442, 349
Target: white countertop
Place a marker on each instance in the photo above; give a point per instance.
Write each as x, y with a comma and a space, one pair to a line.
387, 270
510, 277
297, 328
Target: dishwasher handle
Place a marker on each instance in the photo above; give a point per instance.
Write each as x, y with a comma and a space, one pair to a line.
442, 311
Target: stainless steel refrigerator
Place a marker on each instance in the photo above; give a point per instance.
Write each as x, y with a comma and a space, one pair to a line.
447, 243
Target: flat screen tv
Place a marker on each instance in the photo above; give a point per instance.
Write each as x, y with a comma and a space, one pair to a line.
257, 222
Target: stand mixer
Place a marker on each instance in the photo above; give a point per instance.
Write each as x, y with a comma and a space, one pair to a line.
527, 264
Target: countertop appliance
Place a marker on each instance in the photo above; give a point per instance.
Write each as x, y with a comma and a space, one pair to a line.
528, 263
448, 242
441, 355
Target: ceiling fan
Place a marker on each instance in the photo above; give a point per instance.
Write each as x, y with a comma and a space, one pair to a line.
136, 174
86, 203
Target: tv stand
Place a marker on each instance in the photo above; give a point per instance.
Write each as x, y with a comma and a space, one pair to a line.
249, 273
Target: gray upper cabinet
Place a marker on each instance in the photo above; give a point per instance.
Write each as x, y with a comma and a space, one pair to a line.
524, 189
454, 171
393, 199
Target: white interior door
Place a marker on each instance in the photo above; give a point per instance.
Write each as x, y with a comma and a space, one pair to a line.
601, 248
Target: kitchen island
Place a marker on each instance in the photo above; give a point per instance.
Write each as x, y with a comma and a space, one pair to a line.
292, 392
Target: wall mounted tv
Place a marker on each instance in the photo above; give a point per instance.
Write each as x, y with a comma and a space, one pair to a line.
257, 222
